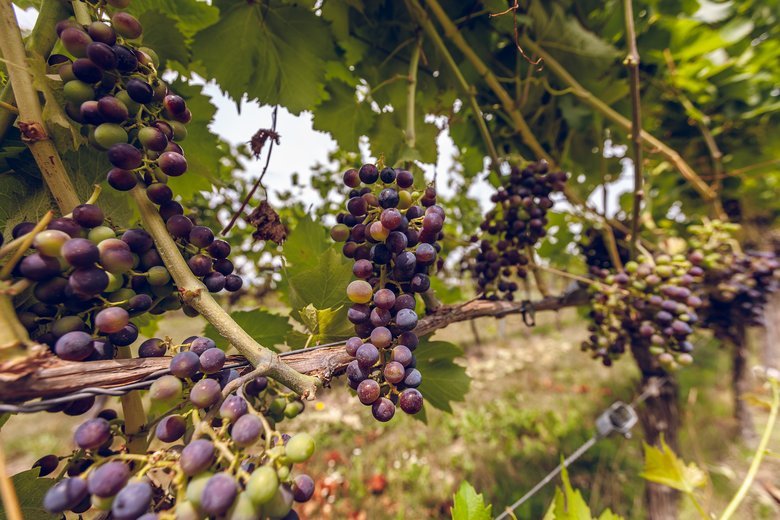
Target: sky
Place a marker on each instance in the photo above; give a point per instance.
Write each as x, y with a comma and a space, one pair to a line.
302, 147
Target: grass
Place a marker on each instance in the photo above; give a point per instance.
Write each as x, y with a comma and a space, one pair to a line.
533, 399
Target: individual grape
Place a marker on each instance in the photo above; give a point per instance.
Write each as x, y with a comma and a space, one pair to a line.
139, 303
124, 337
368, 391
179, 226
97, 234
214, 282
92, 434
46, 465
38, 267
367, 355
223, 266
363, 269
197, 456
121, 180
218, 494
303, 488
205, 393
102, 56
300, 447
101, 32
152, 139
88, 281
212, 361
49, 242
64, 495
219, 249
67, 225
166, 388
381, 337
410, 401
233, 282
126, 25
352, 345
174, 104
233, 407
132, 501
115, 256
68, 324
404, 179
280, 504
126, 60
185, 364
77, 92
201, 236
383, 409
199, 264
106, 480
74, 346
413, 378
171, 428
159, 193
246, 430
80, 252
357, 206
125, 156
22, 229
394, 372
158, 276
199, 344
403, 355
359, 291
262, 485
172, 163
75, 41
256, 386
391, 218
420, 283
368, 174
111, 319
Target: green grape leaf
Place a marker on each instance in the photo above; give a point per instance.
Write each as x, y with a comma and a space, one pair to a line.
446, 293
305, 244
344, 116
267, 329
662, 466
189, 16
443, 380
322, 286
30, 490
163, 35
324, 325
273, 52
470, 505
22, 194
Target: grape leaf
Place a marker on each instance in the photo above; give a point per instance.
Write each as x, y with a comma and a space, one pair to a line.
30, 490
568, 504
469, 505
163, 35
273, 52
343, 116
662, 466
443, 381
324, 325
22, 195
267, 329
305, 244
323, 285
190, 16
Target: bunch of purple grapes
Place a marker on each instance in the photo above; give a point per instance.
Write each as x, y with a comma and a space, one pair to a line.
652, 305
517, 222
736, 285
596, 251
227, 456
112, 87
391, 232
87, 283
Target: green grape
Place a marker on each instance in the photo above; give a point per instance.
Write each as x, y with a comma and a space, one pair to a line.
100, 233
115, 282
50, 242
78, 92
132, 106
195, 488
292, 409
300, 447
359, 291
109, 134
179, 131
280, 504
243, 509
158, 276
262, 485
186, 510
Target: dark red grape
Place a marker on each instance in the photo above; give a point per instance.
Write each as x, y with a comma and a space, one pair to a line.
201, 236
180, 226
367, 355
101, 32
214, 282
352, 345
124, 337
233, 282
174, 104
368, 173
38, 267
75, 41
139, 303
383, 409
88, 215
219, 249
199, 264
22, 229
121, 180
368, 391
404, 179
138, 240
410, 400
125, 156
153, 347
394, 372
46, 464
86, 70
126, 60
256, 386
172, 163
159, 192
88, 281
351, 178
169, 209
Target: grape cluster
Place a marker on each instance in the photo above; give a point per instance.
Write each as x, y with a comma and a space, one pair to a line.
88, 280
391, 232
516, 222
596, 251
649, 305
112, 87
736, 285
215, 457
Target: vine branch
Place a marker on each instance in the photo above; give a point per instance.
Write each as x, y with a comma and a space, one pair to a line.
62, 377
30, 115
195, 294
632, 62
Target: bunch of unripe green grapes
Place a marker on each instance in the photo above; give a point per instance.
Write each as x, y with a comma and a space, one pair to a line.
736, 285
515, 224
390, 230
651, 304
209, 457
113, 90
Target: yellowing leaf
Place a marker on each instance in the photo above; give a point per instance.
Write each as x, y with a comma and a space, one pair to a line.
662, 466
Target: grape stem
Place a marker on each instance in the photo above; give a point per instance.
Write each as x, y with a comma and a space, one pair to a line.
632, 63
194, 293
31, 122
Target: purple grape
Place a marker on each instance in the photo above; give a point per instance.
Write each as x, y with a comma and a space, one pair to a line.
170, 209
125, 156
74, 346
88, 215
124, 337
171, 428
180, 226
410, 400
106, 480
212, 361
46, 464
219, 494
132, 501
246, 430
413, 378
402, 355
201, 236
368, 174
303, 487
394, 372
197, 456
199, 344
367, 355
67, 225
214, 282
138, 240
368, 391
219, 249
224, 266
139, 91
233, 282
185, 364
92, 434
75, 41
383, 409
101, 32
159, 193
121, 180
172, 164
406, 319
102, 55
233, 407
65, 494
256, 386
111, 319
352, 345
205, 393
38, 268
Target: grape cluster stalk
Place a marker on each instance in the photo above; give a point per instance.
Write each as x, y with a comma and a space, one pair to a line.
391, 231
210, 458
652, 304
515, 225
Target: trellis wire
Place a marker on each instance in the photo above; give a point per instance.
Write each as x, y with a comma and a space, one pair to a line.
117, 391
